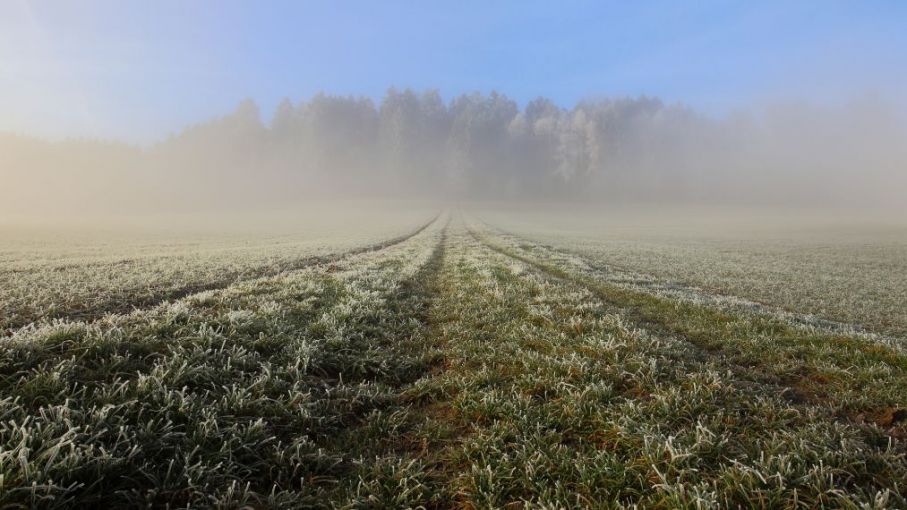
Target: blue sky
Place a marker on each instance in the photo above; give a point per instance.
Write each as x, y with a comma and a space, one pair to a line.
137, 70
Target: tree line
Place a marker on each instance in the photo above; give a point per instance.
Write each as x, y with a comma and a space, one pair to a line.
482, 146
476, 146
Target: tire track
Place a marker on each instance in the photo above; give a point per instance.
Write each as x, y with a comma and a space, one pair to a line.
122, 307
628, 277
805, 368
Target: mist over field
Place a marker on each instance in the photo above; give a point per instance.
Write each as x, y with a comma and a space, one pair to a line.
475, 147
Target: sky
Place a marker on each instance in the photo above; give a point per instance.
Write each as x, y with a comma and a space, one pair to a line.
136, 70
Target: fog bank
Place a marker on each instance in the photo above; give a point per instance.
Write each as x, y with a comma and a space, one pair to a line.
415, 145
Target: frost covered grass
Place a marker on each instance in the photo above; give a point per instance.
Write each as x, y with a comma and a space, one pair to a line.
836, 268
862, 377
563, 393
46, 275
457, 368
224, 398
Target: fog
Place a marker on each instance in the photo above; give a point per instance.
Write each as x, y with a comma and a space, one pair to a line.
475, 147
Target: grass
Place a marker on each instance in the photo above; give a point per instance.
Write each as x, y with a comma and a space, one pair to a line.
563, 400
224, 398
833, 267
49, 275
458, 368
852, 374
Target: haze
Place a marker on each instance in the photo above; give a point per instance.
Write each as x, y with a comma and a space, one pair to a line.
127, 107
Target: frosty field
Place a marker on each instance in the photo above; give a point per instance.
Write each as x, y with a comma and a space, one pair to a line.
841, 268
76, 272
467, 362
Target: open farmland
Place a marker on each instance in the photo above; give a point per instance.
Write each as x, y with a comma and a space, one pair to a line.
81, 273
454, 367
837, 268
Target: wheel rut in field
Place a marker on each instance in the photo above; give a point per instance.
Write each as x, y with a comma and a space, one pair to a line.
805, 367
546, 395
130, 305
627, 277
263, 379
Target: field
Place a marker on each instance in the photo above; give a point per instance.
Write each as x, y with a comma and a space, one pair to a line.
834, 266
73, 272
480, 360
